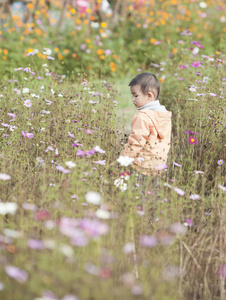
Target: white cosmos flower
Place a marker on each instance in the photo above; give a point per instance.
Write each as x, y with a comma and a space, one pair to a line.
4, 176
70, 164
47, 51
25, 90
195, 50
125, 161
93, 198
203, 4
8, 208
103, 214
195, 197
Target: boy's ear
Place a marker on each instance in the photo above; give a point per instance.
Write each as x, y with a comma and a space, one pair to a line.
151, 95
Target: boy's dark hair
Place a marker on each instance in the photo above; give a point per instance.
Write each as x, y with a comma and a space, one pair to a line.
148, 82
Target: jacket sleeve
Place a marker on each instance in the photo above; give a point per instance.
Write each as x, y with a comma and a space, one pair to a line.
141, 126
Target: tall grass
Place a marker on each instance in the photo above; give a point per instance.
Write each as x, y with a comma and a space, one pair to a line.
140, 243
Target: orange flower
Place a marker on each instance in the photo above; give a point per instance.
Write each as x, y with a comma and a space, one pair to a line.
74, 55
5, 51
30, 6
100, 51
66, 51
38, 31
152, 40
102, 57
60, 56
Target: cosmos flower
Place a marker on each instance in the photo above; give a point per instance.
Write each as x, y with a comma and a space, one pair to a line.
93, 198
220, 162
148, 241
195, 64
4, 176
179, 191
125, 161
16, 273
27, 134
195, 197
192, 140
27, 103
223, 188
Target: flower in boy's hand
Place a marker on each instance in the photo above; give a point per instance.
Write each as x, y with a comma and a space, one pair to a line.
125, 161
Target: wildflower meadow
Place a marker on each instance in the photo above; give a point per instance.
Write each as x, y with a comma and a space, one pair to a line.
76, 223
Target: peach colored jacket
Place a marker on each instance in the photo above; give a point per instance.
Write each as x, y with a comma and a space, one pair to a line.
149, 142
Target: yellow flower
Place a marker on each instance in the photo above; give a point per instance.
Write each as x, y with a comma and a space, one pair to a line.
102, 57
66, 51
56, 49
103, 24
4, 57
88, 41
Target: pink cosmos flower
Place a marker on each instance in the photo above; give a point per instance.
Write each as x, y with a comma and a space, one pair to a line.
70, 134
101, 162
27, 134
195, 64
162, 167
222, 271
192, 140
16, 273
42, 215
176, 164
148, 241
179, 191
35, 244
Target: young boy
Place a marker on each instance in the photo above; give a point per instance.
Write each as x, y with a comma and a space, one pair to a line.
149, 142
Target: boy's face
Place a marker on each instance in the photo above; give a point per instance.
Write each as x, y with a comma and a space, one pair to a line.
140, 99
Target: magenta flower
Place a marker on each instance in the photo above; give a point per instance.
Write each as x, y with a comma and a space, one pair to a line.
16, 273
195, 64
148, 241
192, 140
77, 145
27, 134
189, 222
182, 67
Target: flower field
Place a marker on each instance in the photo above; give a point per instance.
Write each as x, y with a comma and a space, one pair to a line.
75, 222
